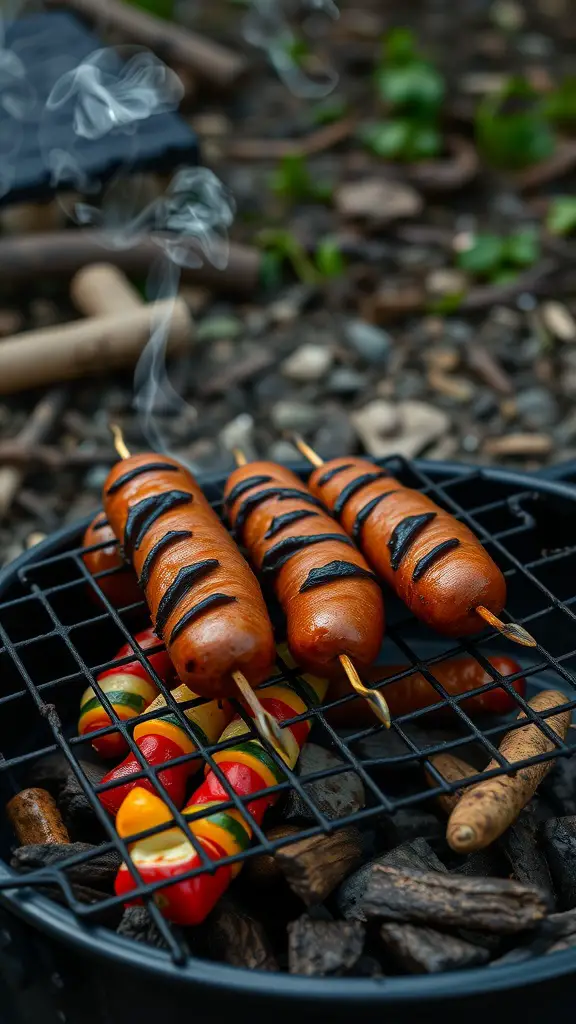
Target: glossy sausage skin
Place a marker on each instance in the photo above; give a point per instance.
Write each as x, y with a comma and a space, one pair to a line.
331, 599
434, 562
206, 603
120, 587
414, 692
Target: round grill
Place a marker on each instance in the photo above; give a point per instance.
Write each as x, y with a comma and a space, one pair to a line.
56, 639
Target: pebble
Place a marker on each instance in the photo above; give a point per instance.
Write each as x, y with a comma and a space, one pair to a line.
335, 437
371, 343
393, 300
444, 281
214, 328
404, 428
377, 200
559, 320
309, 362
537, 408
239, 433
334, 796
345, 381
293, 415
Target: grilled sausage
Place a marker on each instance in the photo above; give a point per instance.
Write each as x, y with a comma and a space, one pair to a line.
120, 584
434, 562
331, 599
413, 692
205, 602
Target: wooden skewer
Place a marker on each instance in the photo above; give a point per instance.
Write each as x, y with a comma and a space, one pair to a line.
374, 697
512, 630
265, 722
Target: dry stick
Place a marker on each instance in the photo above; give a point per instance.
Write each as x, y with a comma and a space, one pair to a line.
509, 629
62, 253
276, 149
487, 808
35, 818
375, 699
267, 724
207, 60
39, 425
101, 288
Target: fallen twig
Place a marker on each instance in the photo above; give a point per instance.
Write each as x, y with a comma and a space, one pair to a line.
276, 149
39, 425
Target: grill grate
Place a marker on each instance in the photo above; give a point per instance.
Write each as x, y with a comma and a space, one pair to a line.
53, 633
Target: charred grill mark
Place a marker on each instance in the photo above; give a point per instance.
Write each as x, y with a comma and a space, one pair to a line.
150, 467
165, 542
331, 473
245, 485
185, 578
214, 601
99, 524
353, 487
287, 519
275, 557
404, 535
365, 512
336, 570
427, 560
144, 514
282, 493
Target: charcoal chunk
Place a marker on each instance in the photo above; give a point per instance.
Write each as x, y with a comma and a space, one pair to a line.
422, 950
323, 947
482, 864
417, 854
335, 796
559, 786
521, 848
97, 873
559, 843
137, 924
411, 823
237, 938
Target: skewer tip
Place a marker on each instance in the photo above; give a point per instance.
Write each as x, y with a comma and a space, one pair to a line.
266, 724
305, 450
374, 697
239, 456
119, 442
511, 630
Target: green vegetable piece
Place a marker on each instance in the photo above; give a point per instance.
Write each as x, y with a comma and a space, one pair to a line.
329, 259
484, 256
561, 219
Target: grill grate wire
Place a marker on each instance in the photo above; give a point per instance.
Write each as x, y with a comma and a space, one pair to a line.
512, 545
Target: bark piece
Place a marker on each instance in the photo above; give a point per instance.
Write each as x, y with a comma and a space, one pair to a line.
35, 818
97, 873
237, 938
313, 867
417, 855
450, 901
264, 870
323, 947
559, 841
426, 951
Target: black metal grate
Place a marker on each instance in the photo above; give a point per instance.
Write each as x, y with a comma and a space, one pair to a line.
53, 633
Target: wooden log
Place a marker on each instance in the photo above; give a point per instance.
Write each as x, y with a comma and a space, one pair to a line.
207, 60
313, 867
423, 950
417, 855
35, 818
101, 289
323, 947
450, 901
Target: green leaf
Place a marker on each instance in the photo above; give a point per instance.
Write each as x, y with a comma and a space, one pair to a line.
523, 247
504, 276
561, 219
388, 138
484, 255
399, 46
560, 104
417, 86
424, 143
271, 266
512, 129
292, 180
329, 259
445, 304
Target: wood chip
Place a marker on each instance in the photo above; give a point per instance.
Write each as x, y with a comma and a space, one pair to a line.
426, 951
515, 445
486, 365
559, 320
237, 938
313, 867
450, 901
377, 200
393, 300
323, 947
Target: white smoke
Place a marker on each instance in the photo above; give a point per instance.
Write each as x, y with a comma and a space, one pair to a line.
17, 99
268, 26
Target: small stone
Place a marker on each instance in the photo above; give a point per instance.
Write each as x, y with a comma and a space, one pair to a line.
293, 415
443, 358
444, 281
559, 320
371, 343
287, 308
334, 796
239, 433
452, 386
345, 381
404, 428
34, 538
374, 423
214, 328
335, 437
309, 362
528, 445
377, 200
11, 321
392, 301
537, 408
507, 15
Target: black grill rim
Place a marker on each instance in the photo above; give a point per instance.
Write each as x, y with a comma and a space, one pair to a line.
53, 919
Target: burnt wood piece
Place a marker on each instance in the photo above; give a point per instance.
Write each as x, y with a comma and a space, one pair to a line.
237, 938
423, 950
137, 924
559, 843
264, 870
559, 786
449, 901
313, 867
35, 817
417, 854
559, 925
97, 873
335, 796
520, 845
323, 947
